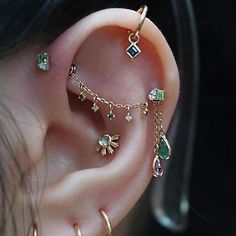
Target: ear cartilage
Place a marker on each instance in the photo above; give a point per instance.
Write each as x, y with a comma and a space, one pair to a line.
162, 149
107, 143
43, 61
133, 50
86, 92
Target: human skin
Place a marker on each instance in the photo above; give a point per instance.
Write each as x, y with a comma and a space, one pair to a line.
61, 133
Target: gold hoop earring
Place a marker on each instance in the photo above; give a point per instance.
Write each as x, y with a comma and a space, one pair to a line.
133, 50
107, 221
35, 230
77, 230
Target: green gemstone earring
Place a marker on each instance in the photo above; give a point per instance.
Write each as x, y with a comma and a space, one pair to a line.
162, 149
43, 61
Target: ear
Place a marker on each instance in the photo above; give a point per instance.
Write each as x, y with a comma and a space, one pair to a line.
79, 180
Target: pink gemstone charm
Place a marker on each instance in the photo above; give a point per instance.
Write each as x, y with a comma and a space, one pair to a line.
157, 167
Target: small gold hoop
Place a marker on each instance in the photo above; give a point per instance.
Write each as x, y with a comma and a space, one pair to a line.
77, 230
108, 222
143, 11
35, 230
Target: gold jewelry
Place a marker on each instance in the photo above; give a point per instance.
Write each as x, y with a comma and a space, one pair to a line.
133, 50
106, 143
77, 230
162, 150
35, 230
85, 92
107, 221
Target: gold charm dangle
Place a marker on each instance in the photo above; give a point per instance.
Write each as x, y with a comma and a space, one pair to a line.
162, 150
111, 115
95, 107
133, 50
107, 143
145, 109
81, 96
128, 117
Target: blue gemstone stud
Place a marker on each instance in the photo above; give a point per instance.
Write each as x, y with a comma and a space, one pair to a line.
43, 61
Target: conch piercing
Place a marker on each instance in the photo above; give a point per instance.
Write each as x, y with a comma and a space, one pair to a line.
77, 230
107, 221
133, 50
43, 61
162, 149
107, 143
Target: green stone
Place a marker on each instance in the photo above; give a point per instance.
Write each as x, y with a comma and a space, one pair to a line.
164, 148
157, 95
160, 95
43, 61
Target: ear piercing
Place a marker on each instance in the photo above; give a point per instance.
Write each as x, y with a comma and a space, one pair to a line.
35, 230
162, 150
86, 92
107, 143
107, 221
43, 61
133, 50
77, 230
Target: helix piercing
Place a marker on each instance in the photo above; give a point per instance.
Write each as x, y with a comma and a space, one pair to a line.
133, 50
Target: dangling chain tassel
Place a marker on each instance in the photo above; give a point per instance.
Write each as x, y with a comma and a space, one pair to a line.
162, 150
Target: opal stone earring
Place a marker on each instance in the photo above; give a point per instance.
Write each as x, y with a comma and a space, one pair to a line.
43, 61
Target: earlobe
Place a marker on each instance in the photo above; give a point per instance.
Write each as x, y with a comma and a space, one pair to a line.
118, 84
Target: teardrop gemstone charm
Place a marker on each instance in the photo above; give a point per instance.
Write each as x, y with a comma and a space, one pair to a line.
164, 148
157, 170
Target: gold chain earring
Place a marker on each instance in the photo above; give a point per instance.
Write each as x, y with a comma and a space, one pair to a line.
162, 150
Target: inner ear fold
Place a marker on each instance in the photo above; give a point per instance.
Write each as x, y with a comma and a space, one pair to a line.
105, 67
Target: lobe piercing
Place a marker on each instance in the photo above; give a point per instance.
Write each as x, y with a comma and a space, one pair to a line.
107, 221
77, 230
35, 230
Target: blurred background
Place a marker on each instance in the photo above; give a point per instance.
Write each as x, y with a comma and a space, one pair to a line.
208, 125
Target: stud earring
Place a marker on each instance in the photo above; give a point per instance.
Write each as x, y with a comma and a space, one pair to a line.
133, 50
162, 149
107, 143
107, 221
77, 230
43, 61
